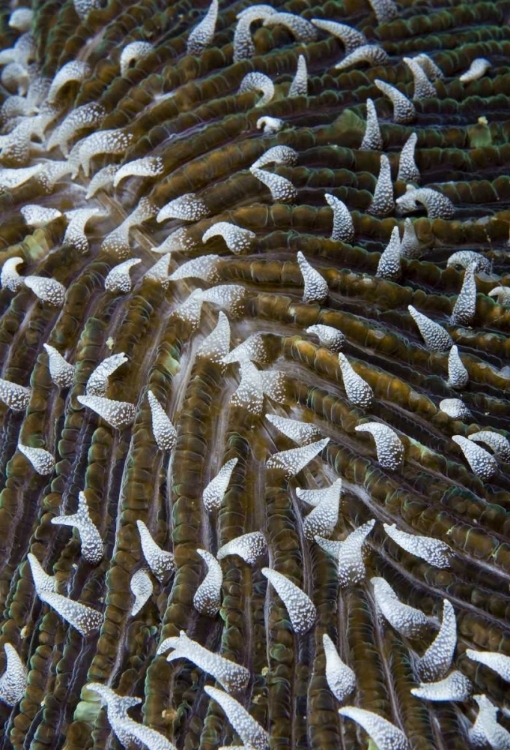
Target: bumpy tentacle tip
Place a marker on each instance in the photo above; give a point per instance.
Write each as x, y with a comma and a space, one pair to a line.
301, 610
482, 463
357, 390
249, 546
249, 730
91, 542
384, 734
295, 459
118, 414
16, 397
215, 491
455, 687
315, 286
142, 589
207, 598
164, 431
13, 682
41, 460
160, 561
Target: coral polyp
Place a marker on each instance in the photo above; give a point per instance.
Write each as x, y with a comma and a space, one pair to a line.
254, 375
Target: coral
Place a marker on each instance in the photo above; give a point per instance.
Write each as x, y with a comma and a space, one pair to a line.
257, 187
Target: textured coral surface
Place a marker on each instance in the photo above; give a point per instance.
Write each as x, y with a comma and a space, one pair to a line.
185, 110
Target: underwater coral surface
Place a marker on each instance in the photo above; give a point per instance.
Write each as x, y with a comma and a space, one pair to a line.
254, 318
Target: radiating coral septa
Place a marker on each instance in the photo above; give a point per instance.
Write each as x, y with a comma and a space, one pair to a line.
118, 279
455, 687
164, 431
434, 551
340, 678
41, 460
132, 53
249, 546
294, 460
160, 561
406, 620
91, 542
214, 493
13, 682
207, 598
483, 464
142, 588
389, 263
9, 277
16, 397
250, 731
258, 82
118, 414
315, 286
385, 735
47, 290
300, 608
97, 383
202, 35
437, 659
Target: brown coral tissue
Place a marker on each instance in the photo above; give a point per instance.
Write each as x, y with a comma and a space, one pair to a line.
254, 375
